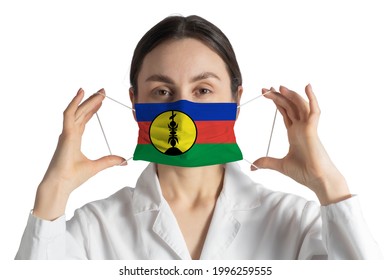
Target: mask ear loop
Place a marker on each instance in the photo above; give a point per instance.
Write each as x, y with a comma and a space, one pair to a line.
116, 101
272, 129
239, 106
101, 126
272, 132
104, 135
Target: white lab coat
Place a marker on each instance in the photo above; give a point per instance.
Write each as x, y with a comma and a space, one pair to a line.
249, 222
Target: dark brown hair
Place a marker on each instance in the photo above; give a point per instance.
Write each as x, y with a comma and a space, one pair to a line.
178, 27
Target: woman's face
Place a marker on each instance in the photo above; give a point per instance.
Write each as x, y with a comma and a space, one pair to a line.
183, 69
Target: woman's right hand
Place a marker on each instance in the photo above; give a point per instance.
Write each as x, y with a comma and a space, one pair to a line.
69, 167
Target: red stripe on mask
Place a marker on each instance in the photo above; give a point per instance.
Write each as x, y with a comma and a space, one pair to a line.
207, 132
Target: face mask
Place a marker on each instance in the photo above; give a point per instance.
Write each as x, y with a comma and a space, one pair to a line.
187, 134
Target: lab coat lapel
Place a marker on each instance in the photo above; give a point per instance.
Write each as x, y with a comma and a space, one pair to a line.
167, 228
238, 194
222, 231
147, 200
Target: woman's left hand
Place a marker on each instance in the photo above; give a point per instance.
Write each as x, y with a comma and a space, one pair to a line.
306, 162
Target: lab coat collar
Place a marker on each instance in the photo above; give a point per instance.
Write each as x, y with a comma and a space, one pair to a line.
147, 193
239, 193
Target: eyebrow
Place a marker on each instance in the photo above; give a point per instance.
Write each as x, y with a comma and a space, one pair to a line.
168, 80
204, 76
159, 78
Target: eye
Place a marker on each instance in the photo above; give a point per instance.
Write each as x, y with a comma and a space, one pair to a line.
163, 93
204, 91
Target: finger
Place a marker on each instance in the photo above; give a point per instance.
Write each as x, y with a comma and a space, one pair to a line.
284, 103
264, 90
91, 105
85, 119
268, 163
106, 162
91, 113
300, 103
286, 119
313, 102
72, 107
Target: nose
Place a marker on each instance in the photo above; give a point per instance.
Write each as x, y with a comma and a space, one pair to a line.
182, 94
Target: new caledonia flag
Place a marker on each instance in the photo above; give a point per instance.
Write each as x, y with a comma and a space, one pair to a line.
188, 134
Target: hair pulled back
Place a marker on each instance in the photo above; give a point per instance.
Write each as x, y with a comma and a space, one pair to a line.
178, 27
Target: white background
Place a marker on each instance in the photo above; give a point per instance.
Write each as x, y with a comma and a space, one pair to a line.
49, 49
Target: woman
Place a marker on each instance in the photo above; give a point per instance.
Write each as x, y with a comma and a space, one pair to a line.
207, 211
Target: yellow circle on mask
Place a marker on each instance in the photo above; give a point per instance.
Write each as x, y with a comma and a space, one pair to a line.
173, 133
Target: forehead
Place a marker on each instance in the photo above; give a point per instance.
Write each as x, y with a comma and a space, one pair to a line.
182, 57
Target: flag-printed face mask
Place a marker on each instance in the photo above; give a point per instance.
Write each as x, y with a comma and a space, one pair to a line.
187, 134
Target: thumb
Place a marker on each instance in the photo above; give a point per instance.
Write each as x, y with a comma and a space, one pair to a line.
108, 161
268, 163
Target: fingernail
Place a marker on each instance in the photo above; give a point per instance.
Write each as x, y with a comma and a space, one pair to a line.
254, 167
101, 92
